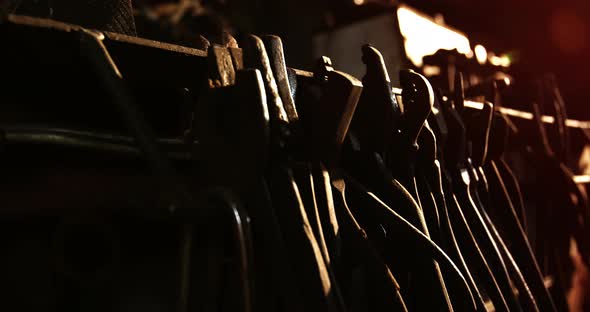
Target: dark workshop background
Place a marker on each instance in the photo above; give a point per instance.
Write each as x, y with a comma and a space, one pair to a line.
544, 35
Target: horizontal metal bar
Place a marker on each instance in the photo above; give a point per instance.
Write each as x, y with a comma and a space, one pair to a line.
90, 140
182, 51
582, 179
572, 123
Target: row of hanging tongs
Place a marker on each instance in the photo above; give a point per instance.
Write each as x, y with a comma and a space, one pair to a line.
360, 200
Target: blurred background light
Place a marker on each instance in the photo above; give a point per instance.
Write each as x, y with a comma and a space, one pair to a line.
424, 37
481, 54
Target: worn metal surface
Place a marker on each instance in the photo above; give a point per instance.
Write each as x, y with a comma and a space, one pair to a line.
341, 93
377, 114
221, 68
274, 49
255, 56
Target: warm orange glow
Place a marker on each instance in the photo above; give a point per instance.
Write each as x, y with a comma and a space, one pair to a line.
481, 54
359, 2
505, 61
495, 60
572, 123
430, 71
582, 179
567, 29
473, 104
424, 37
